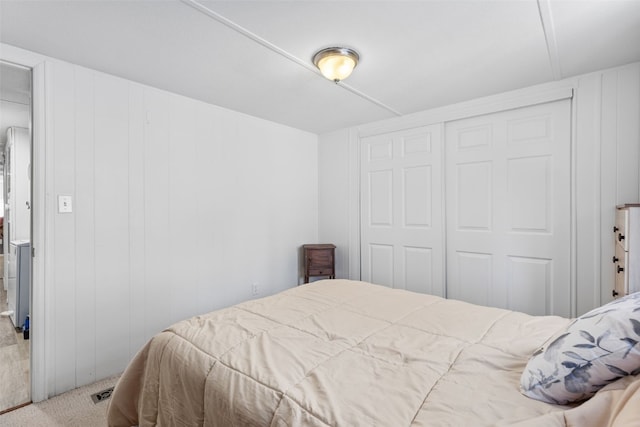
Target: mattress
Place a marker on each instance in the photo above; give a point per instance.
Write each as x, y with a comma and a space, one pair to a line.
349, 353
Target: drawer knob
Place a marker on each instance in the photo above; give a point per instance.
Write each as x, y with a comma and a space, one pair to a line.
620, 269
615, 259
620, 237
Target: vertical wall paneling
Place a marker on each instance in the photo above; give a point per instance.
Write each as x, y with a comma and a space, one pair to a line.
333, 170
136, 211
179, 207
588, 190
607, 163
157, 225
111, 223
619, 158
85, 297
103, 282
64, 295
207, 249
609, 181
628, 133
353, 206
339, 198
275, 214
609, 168
242, 222
183, 209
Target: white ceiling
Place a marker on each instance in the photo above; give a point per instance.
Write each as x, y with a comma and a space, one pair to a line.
255, 56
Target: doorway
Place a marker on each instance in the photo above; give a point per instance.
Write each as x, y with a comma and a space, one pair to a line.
15, 211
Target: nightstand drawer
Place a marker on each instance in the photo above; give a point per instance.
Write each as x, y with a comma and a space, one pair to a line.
320, 258
622, 276
621, 228
321, 272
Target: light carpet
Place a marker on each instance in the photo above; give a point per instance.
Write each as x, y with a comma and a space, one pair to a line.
71, 409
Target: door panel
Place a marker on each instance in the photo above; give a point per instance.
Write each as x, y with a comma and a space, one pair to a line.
417, 196
508, 204
382, 263
530, 282
474, 271
381, 200
473, 210
417, 269
401, 210
529, 191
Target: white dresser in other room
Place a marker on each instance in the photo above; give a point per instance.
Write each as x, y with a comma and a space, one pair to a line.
627, 257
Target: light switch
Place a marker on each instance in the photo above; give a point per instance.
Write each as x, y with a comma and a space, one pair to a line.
65, 204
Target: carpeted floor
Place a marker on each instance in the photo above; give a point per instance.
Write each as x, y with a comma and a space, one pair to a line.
71, 409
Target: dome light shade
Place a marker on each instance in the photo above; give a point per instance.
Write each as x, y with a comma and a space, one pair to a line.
336, 63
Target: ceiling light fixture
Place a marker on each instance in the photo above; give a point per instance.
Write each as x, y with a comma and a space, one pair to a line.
336, 63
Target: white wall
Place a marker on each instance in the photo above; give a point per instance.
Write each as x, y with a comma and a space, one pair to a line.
333, 196
607, 107
605, 170
179, 207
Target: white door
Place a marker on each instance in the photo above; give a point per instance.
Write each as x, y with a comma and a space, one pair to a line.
401, 210
508, 209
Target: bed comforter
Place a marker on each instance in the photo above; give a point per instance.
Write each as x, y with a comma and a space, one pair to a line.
347, 353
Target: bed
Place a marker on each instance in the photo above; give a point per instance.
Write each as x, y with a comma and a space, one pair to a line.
349, 353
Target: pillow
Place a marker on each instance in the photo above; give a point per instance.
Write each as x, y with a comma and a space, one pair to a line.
596, 349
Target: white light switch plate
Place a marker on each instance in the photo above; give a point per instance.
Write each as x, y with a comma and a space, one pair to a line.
65, 204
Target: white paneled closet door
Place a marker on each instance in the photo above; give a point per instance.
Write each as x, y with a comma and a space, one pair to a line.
508, 209
402, 232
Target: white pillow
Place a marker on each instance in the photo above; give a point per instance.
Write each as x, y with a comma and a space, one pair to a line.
595, 350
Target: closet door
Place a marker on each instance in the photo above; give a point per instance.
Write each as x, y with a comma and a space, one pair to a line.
401, 210
508, 209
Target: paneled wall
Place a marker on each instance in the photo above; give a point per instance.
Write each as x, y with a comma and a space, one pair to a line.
605, 164
337, 193
178, 208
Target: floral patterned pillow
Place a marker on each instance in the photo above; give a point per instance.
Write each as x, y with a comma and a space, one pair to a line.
595, 350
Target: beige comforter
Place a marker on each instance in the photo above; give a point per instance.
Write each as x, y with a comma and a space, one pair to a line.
346, 353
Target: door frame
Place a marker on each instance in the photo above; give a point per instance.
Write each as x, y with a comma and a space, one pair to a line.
40, 322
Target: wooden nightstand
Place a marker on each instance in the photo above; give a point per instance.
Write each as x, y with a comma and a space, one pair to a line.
319, 260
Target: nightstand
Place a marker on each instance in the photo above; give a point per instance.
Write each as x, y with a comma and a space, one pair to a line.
319, 260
